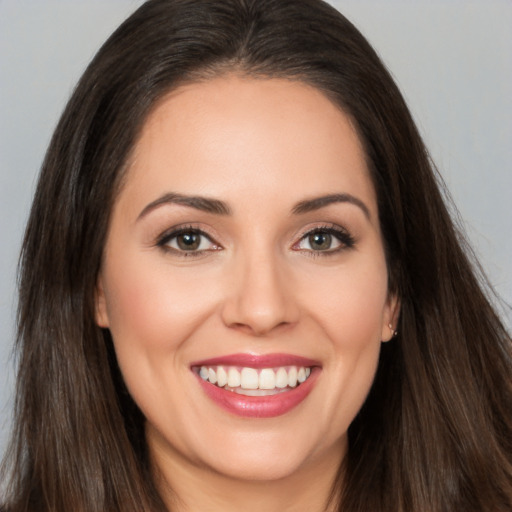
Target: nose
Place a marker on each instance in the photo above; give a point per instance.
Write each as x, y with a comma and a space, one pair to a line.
260, 299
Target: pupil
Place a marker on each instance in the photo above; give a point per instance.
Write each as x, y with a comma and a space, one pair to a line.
320, 241
188, 241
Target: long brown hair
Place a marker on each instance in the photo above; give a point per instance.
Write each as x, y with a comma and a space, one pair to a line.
435, 433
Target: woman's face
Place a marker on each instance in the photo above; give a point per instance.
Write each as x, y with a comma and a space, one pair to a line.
244, 279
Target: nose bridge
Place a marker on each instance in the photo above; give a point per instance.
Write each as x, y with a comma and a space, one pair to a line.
260, 299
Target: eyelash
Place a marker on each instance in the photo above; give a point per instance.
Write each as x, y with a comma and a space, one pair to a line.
166, 238
345, 239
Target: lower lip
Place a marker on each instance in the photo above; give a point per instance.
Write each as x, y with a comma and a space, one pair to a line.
260, 406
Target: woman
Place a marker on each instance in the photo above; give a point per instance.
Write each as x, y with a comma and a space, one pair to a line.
233, 215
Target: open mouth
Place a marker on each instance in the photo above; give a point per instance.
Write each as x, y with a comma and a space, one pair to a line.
255, 381
257, 386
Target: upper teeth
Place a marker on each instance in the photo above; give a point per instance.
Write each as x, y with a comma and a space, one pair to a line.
251, 378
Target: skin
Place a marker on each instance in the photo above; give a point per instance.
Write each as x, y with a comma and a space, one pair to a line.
256, 285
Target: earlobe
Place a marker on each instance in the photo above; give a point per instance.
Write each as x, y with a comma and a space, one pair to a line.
390, 319
100, 304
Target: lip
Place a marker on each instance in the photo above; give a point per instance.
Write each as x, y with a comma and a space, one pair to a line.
258, 361
259, 406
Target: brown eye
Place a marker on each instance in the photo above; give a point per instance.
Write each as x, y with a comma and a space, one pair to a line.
320, 241
188, 241
328, 240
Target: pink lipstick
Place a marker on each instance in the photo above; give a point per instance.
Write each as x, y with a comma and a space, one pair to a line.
257, 386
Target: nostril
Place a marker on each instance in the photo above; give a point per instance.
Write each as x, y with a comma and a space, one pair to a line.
259, 331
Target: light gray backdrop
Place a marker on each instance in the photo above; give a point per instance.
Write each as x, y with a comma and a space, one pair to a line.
451, 58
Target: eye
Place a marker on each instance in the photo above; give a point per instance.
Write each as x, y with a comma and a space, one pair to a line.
325, 239
187, 240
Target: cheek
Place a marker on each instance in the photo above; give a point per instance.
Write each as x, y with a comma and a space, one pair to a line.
149, 306
350, 308
354, 325
152, 314
351, 303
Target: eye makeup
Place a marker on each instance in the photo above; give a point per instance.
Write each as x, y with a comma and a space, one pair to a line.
325, 240
187, 241
192, 241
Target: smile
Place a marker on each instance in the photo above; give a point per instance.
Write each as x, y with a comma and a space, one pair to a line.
257, 386
255, 382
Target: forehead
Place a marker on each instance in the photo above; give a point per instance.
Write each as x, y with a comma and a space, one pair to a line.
260, 138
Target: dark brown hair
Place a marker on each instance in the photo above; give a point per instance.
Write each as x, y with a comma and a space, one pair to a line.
435, 433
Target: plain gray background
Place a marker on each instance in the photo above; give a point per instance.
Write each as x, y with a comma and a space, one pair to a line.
452, 60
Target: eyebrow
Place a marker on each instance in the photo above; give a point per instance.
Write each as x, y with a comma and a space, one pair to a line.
218, 207
204, 204
316, 203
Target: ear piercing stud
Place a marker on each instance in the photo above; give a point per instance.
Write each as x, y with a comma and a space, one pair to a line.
395, 333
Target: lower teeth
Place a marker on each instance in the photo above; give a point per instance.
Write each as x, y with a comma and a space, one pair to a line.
257, 392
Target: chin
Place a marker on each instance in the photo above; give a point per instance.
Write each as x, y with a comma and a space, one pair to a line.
255, 467
271, 455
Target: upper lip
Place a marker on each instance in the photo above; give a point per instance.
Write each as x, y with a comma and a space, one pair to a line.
257, 360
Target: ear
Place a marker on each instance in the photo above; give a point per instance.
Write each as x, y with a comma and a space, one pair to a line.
390, 318
100, 303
